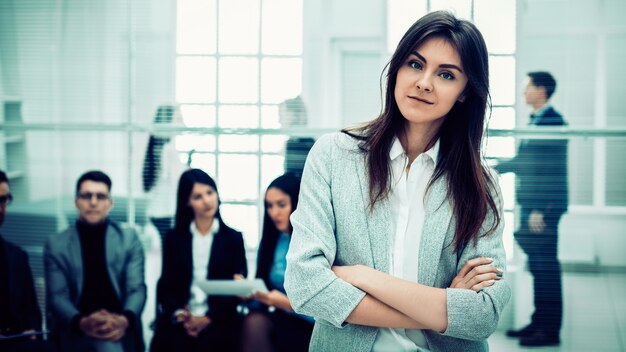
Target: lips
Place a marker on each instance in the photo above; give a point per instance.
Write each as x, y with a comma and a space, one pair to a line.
422, 100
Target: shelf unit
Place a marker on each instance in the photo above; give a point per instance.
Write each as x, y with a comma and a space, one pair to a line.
13, 154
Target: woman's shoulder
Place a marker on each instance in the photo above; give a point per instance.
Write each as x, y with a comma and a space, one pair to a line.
229, 231
337, 142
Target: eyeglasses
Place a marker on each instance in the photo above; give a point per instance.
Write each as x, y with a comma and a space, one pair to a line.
87, 196
6, 199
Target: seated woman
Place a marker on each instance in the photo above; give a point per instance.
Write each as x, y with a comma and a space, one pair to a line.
272, 325
201, 246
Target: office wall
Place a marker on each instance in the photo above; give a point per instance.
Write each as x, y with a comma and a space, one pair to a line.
102, 61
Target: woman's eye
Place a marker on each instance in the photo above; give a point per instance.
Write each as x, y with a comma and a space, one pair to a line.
447, 76
416, 65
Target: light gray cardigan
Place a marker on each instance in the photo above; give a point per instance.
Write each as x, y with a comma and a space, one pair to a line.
333, 226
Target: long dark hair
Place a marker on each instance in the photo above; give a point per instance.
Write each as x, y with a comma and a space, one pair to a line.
470, 186
184, 212
288, 183
152, 160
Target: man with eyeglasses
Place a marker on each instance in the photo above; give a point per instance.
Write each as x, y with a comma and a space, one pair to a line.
95, 276
20, 316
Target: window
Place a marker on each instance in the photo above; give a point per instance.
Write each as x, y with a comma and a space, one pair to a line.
233, 68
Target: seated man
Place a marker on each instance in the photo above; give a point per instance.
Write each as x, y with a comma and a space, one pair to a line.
19, 309
95, 276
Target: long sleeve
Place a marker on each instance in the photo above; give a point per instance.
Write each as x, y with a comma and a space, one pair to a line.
472, 315
57, 284
310, 284
31, 306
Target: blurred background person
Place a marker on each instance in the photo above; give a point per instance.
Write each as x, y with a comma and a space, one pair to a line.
272, 324
199, 247
162, 168
95, 276
19, 309
293, 113
541, 168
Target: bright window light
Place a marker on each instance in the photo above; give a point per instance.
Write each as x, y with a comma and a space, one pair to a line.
461, 8
196, 27
198, 115
239, 23
502, 80
498, 31
280, 79
238, 176
401, 14
195, 79
239, 116
238, 143
238, 80
282, 27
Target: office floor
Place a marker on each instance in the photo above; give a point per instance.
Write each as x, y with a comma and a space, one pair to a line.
594, 311
594, 317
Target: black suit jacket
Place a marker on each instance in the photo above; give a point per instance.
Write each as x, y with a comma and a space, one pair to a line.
227, 259
541, 169
23, 303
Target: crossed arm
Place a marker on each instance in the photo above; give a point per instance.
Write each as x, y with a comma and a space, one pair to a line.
394, 302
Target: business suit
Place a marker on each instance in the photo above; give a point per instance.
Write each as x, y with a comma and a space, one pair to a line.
23, 304
334, 226
22, 309
541, 169
173, 289
64, 283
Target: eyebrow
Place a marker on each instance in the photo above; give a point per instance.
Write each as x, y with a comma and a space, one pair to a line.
442, 65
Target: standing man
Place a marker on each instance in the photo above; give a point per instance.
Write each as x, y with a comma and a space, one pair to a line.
19, 309
95, 276
541, 168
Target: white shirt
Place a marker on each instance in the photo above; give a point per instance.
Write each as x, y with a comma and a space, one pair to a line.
408, 209
201, 252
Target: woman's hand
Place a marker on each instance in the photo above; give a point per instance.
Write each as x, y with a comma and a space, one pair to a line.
195, 324
273, 298
476, 275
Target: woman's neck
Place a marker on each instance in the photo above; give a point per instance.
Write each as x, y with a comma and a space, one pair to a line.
204, 225
416, 139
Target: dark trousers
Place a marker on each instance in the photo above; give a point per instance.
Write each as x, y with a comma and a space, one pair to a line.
222, 337
25, 345
542, 250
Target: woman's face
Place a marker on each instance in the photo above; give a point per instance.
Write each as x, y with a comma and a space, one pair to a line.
429, 83
278, 206
203, 200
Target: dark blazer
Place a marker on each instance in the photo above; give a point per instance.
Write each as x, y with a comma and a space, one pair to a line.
23, 303
541, 169
227, 259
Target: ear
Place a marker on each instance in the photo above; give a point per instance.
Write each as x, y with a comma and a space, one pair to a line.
461, 98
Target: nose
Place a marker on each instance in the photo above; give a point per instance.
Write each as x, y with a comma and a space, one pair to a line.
424, 82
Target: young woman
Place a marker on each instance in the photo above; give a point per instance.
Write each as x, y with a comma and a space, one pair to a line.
398, 218
277, 328
201, 246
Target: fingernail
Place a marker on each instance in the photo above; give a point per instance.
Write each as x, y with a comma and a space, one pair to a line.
491, 282
499, 270
499, 274
489, 259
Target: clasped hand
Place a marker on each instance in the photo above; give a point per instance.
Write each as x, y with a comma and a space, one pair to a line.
104, 325
193, 324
